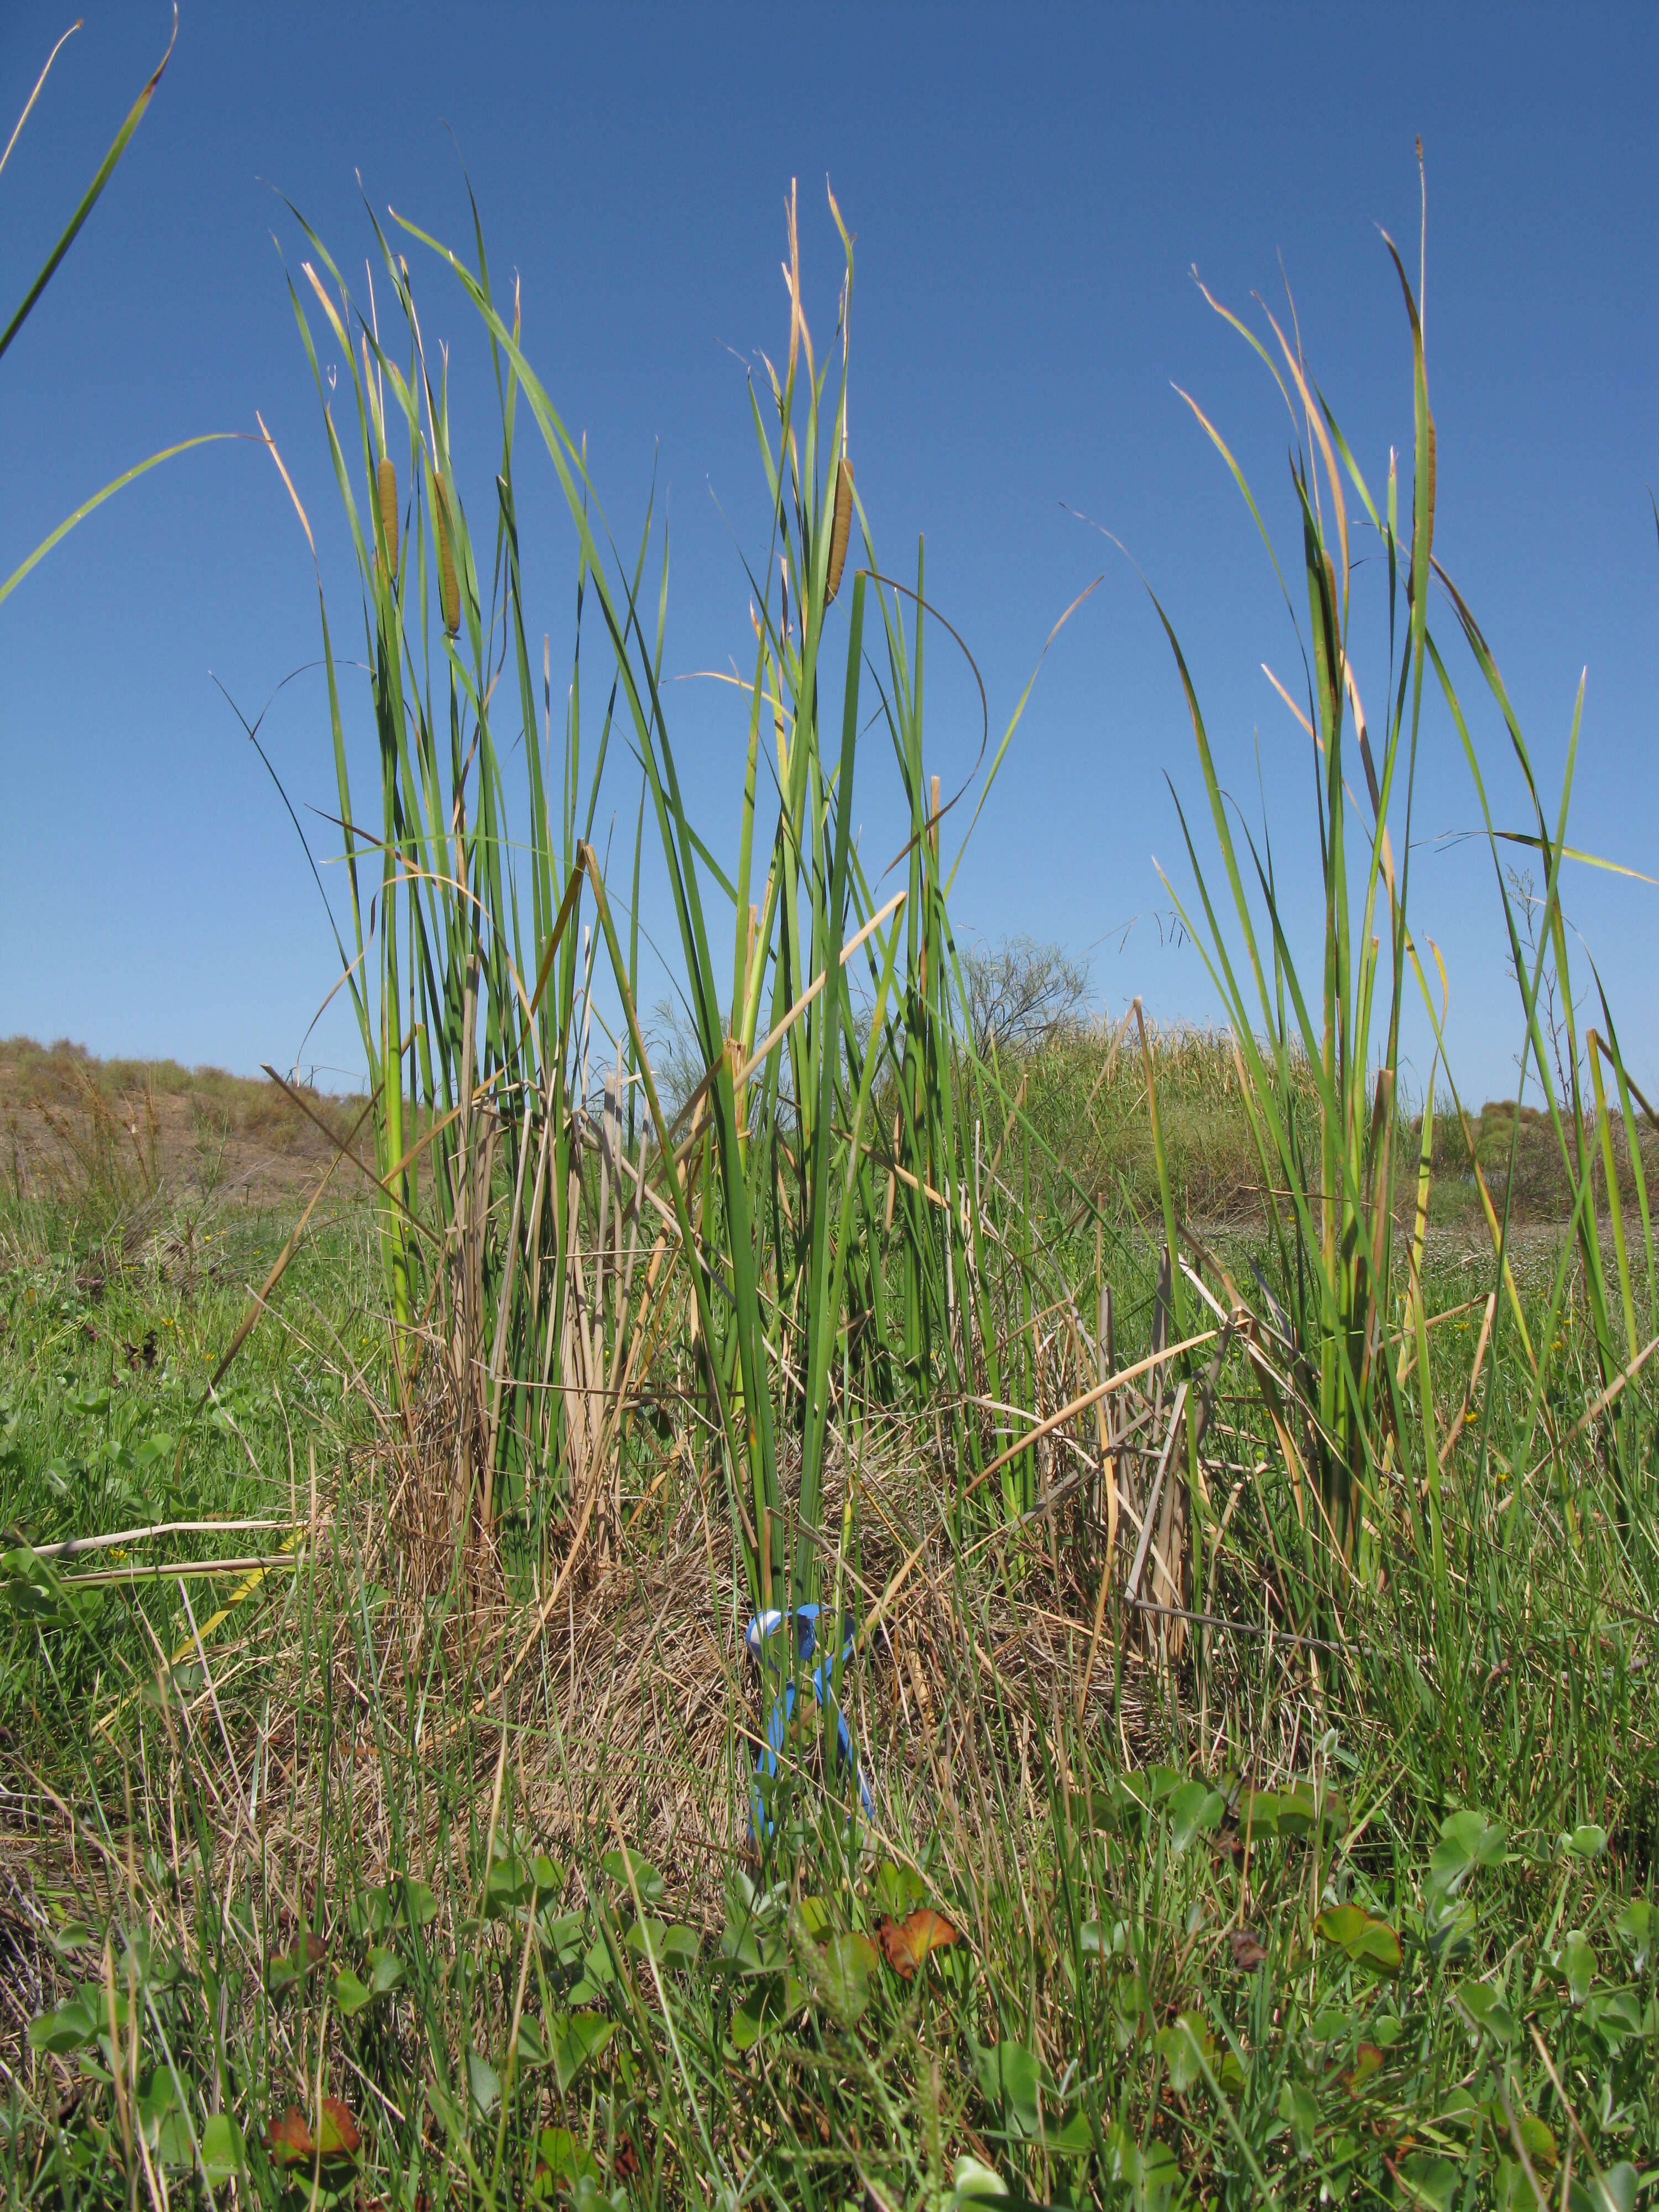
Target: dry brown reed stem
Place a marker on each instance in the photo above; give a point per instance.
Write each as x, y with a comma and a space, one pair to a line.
1153, 1362
175, 1571
1597, 1406
614, 1399
72, 1546
1443, 1451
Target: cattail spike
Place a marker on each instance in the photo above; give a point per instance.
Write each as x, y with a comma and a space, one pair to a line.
449, 590
385, 478
841, 528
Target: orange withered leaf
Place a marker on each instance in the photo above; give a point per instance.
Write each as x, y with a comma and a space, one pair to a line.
905, 1943
288, 2139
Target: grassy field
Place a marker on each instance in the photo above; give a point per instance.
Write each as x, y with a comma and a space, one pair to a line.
1263, 1918
904, 1609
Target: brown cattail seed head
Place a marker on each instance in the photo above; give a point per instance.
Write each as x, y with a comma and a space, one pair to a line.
449, 590
841, 528
385, 478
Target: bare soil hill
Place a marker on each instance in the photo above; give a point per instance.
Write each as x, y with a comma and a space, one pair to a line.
107, 1138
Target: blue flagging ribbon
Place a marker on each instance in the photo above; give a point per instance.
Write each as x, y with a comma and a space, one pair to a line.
763, 1638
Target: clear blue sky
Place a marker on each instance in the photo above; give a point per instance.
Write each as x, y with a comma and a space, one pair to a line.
1030, 189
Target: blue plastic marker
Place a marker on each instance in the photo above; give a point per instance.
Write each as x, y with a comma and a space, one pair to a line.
761, 1639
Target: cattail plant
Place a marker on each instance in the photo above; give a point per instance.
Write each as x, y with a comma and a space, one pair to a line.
1333, 1350
544, 1257
1335, 1412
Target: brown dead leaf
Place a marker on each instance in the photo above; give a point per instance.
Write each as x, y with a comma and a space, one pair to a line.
288, 2139
1248, 1949
905, 1943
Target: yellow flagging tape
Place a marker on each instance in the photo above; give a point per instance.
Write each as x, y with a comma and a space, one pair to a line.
210, 1625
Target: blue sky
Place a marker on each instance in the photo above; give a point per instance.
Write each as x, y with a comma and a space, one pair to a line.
1031, 190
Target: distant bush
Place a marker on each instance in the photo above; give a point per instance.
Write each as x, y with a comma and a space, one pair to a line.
1538, 1186
1022, 993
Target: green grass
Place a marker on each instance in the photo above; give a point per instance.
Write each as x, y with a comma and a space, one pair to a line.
1247, 1522
1062, 2040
